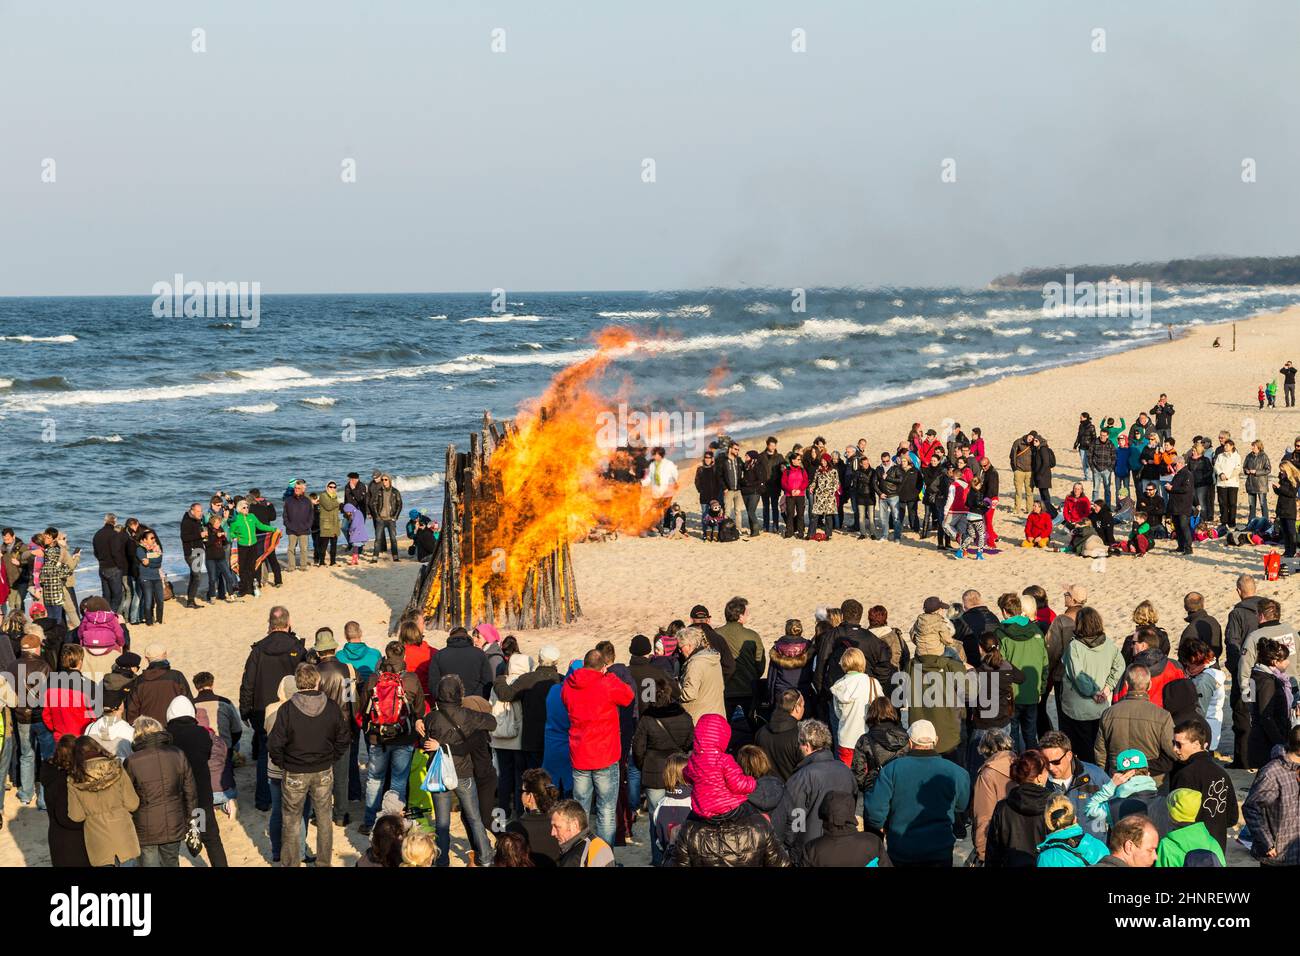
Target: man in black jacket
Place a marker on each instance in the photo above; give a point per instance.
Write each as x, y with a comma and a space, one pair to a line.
796, 819
833, 644
1242, 619
1181, 495
355, 494
307, 740
110, 553
1163, 414
264, 511
1044, 462
338, 682
975, 621
270, 660
193, 534
841, 842
1083, 441
779, 737
462, 658
769, 474
1196, 769
706, 484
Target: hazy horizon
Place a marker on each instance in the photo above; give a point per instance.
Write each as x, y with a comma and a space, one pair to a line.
522, 170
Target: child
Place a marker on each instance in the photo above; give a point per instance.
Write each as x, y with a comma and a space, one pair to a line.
713, 520
1271, 392
1139, 541
672, 810
1038, 528
357, 533
1261, 396
718, 785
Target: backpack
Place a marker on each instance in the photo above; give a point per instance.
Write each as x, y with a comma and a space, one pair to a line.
96, 634
727, 531
507, 715
389, 715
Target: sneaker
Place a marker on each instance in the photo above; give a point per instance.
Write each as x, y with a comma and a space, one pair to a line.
979, 555
959, 553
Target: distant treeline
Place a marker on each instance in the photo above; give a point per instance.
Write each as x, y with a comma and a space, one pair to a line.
1252, 270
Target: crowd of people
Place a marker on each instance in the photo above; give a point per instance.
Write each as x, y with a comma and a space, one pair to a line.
945, 484
1045, 736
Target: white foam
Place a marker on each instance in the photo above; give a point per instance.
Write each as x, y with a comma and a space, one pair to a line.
437, 317
1026, 350
56, 339
713, 391
6, 383
1008, 333
504, 317
103, 439
705, 310
767, 381
534, 345
830, 363
935, 349
321, 402
417, 482
635, 314
263, 409
761, 308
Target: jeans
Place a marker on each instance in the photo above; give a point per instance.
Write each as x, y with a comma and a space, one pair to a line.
1260, 499
261, 788
653, 798
604, 782
356, 791
162, 854
35, 744
1083, 460
342, 772
294, 791
151, 599
1123, 485
385, 530
275, 824
382, 757
6, 759
1024, 727
192, 586
510, 781
133, 601
889, 512
771, 509
1203, 496
633, 784
110, 586
751, 513
1103, 479
221, 580
298, 544
467, 793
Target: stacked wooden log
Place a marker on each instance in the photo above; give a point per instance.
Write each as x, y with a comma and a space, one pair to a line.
464, 583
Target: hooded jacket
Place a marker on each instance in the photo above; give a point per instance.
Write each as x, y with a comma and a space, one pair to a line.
841, 842
154, 690
790, 667
462, 730
103, 803
1203, 774
779, 737
1070, 846
593, 698
1092, 664
851, 695
309, 734
271, 659
661, 731
470, 663
363, 658
331, 523
817, 775
1163, 672
163, 780
718, 785
67, 707
1178, 842
918, 831
1017, 827
992, 784
1022, 645
880, 744
703, 687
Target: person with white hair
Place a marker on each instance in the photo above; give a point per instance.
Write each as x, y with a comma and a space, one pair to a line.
507, 739
919, 832
702, 681
529, 690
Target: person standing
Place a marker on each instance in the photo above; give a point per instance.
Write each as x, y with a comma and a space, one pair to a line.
195, 742
769, 469
355, 494
298, 514
391, 705
730, 471
990, 481
661, 478
1182, 494
341, 683
264, 511
270, 660
1091, 671
593, 698
1102, 458
110, 553
245, 532
1022, 645
794, 483
1227, 482
1022, 471
102, 798
1288, 383
308, 739
1257, 469
161, 776
1084, 439
703, 683
1272, 808
1044, 462
385, 508
193, 533
1196, 769
751, 660
1286, 489
456, 729
1162, 414
330, 524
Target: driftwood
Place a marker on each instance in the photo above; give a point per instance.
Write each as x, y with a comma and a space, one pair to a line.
463, 584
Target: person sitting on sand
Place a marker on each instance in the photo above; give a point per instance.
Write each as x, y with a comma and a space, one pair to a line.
713, 518
1038, 528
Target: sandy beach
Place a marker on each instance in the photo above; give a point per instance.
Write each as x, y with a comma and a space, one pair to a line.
633, 585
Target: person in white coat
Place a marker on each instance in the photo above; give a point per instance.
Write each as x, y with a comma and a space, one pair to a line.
1227, 482
661, 477
507, 740
851, 695
1198, 662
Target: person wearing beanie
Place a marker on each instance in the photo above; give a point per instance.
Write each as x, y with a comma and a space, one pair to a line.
1186, 834
195, 742
1131, 790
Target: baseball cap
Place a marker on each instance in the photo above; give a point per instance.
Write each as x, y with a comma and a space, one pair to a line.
1077, 592
922, 732
699, 612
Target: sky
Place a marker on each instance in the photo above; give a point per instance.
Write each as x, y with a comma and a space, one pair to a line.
523, 169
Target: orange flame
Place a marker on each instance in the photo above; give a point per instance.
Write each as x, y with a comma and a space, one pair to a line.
552, 486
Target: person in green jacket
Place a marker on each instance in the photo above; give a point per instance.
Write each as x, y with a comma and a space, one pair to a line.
1185, 834
244, 529
1022, 645
1271, 392
937, 692
329, 504
1093, 668
1113, 431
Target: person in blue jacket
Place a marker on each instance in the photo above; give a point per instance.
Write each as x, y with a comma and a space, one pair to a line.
1066, 843
917, 799
555, 755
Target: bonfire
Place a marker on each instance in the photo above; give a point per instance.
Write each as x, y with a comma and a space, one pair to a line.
519, 497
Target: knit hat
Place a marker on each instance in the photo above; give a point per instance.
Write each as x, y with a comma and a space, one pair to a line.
1184, 804
489, 633
519, 665
1131, 760
667, 644
932, 604
922, 732
37, 610
156, 652
181, 706
641, 646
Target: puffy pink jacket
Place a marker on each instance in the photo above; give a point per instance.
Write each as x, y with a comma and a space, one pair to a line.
718, 785
101, 631
794, 481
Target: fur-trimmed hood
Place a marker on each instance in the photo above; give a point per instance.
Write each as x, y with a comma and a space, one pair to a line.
791, 653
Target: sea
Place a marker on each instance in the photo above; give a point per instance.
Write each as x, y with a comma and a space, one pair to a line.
106, 407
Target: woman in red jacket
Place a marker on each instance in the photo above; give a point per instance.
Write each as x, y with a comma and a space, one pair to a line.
794, 482
1077, 509
69, 698
1038, 528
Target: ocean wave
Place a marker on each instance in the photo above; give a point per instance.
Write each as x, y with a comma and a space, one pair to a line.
1009, 333
6, 383
787, 371
830, 363
762, 308
1026, 350
321, 402
506, 317
263, 409
41, 339
417, 482
633, 314
437, 317
688, 310
713, 391
769, 382
935, 349
113, 439
533, 345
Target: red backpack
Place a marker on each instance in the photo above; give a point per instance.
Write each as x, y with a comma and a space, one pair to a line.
389, 713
